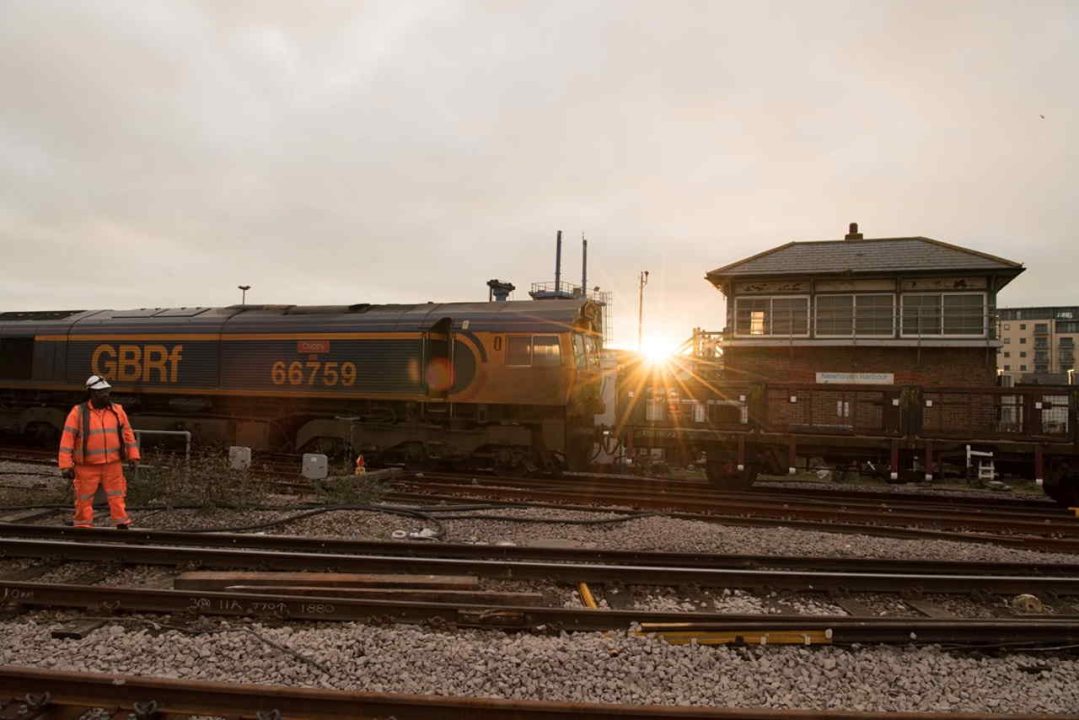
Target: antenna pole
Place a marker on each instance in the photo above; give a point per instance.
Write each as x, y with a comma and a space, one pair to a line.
584, 266
558, 264
642, 281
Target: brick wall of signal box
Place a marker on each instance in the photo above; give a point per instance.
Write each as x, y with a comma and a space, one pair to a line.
940, 367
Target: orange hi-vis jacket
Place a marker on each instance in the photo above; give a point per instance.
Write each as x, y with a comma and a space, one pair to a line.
95, 436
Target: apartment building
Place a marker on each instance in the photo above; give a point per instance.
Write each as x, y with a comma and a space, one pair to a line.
1038, 344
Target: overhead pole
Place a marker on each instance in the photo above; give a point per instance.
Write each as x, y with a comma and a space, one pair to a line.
558, 264
642, 281
584, 266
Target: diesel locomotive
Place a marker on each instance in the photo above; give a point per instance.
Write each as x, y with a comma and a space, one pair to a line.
509, 385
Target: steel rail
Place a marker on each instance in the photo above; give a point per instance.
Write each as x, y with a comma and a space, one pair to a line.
839, 630
70, 692
704, 491
404, 549
1060, 525
883, 523
786, 487
802, 580
1024, 542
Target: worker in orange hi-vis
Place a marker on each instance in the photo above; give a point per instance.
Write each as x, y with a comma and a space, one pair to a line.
97, 440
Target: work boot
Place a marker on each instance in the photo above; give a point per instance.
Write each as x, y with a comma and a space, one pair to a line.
123, 526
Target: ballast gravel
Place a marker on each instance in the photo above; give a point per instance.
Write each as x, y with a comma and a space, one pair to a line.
1021, 491
583, 667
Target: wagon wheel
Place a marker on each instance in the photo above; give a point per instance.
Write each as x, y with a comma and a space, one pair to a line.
1062, 483
721, 469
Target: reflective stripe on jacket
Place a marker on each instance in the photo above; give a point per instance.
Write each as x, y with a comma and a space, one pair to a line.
94, 436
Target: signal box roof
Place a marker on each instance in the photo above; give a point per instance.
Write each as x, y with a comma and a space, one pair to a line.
864, 257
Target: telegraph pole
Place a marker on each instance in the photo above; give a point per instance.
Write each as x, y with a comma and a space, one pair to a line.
642, 281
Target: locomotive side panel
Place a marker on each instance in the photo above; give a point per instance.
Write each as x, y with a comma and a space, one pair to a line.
324, 366
147, 361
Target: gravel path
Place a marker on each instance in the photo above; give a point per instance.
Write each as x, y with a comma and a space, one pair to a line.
588, 667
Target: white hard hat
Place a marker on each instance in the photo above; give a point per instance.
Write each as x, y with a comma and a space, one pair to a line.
97, 383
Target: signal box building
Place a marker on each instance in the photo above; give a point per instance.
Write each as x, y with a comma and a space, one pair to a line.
903, 311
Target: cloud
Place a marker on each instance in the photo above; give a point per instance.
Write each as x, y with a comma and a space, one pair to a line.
163, 153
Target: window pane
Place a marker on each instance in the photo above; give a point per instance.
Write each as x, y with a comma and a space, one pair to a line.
756, 322
591, 347
790, 316
921, 314
579, 358
874, 315
545, 351
835, 314
964, 314
750, 316
519, 351
653, 409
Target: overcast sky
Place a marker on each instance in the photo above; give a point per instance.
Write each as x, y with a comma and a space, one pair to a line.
157, 153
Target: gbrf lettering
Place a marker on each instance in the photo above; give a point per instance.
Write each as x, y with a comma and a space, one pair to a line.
137, 363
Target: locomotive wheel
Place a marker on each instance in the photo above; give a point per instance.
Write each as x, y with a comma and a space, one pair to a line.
331, 447
512, 462
42, 434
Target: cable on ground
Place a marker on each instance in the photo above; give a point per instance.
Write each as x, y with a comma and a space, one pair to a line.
190, 631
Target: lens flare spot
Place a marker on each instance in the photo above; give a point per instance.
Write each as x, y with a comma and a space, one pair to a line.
439, 375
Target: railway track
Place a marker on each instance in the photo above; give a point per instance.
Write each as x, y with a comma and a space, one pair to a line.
287, 467
32, 692
509, 553
280, 554
800, 580
1039, 526
1048, 531
700, 496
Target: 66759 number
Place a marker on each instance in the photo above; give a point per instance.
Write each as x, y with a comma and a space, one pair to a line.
313, 372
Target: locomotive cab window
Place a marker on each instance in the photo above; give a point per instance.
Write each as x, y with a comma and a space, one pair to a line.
546, 351
535, 351
518, 350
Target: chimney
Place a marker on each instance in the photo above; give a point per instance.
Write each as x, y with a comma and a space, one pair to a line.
853, 234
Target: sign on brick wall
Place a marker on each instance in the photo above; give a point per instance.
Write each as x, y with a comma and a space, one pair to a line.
861, 378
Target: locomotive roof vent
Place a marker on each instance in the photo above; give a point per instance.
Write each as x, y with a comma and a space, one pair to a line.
853, 234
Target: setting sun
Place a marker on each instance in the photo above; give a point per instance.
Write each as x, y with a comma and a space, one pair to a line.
657, 351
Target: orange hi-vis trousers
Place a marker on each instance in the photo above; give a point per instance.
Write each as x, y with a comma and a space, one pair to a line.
87, 478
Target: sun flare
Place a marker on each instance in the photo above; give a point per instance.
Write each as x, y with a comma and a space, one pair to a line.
657, 351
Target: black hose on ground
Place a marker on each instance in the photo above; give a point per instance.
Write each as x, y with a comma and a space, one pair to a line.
440, 531
551, 521
429, 514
